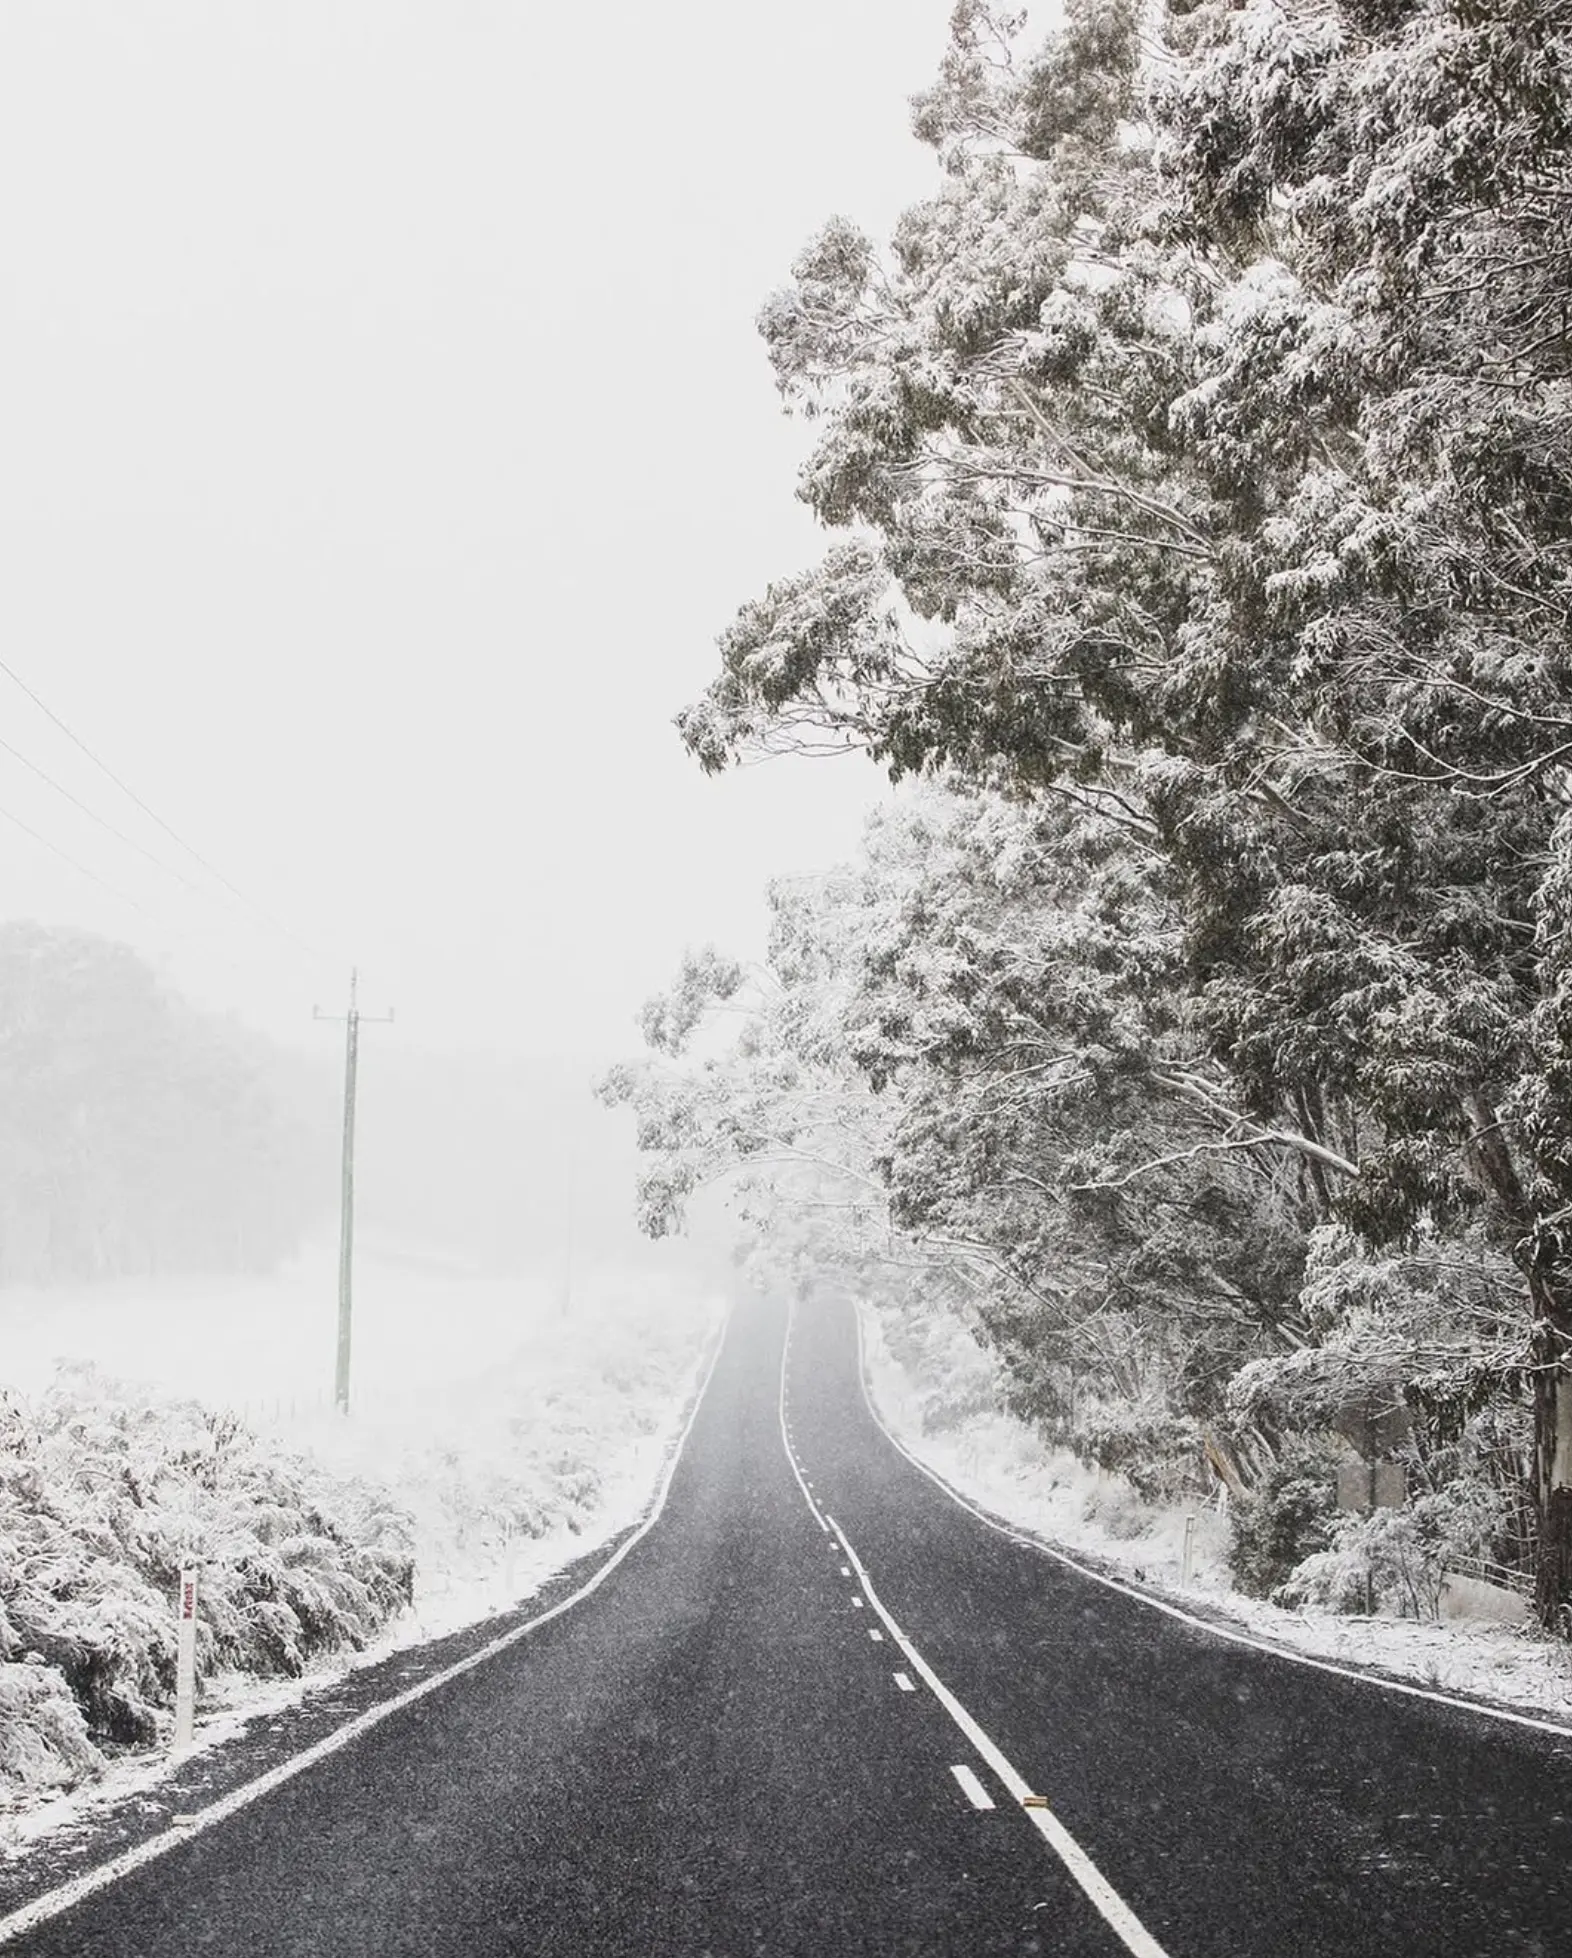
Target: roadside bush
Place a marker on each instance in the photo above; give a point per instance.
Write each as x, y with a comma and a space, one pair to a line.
1290, 1516
44, 1742
1117, 1509
104, 1495
1155, 1449
1395, 1559
957, 1379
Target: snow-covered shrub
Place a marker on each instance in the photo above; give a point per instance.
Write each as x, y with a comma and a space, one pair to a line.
104, 1494
959, 1379
1394, 1560
1156, 1449
44, 1741
1118, 1509
1288, 1517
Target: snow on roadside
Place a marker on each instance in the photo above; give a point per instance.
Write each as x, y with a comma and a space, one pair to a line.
499, 1435
935, 1389
542, 1453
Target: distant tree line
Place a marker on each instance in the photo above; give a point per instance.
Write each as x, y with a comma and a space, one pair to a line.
1201, 458
139, 1136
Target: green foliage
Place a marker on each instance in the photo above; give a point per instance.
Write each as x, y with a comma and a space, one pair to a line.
1154, 1448
1290, 1516
1434, 1332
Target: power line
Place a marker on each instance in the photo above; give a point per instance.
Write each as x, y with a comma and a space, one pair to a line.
125, 789
103, 884
102, 821
81, 868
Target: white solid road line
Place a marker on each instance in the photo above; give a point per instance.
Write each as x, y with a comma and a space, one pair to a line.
1184, 1617
54, 1902
904, 1683
975, 1792
1110, 1906
791, 1453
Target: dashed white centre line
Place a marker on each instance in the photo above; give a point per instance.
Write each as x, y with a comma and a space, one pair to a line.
845, 1570
972, 1788
876, 1635
802, 1484
904, 1683
1111, 1907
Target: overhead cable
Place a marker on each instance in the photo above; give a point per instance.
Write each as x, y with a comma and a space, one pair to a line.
81, 868
125, 789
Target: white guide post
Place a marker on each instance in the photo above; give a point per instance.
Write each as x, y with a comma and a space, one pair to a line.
1189, 1548
185, 1659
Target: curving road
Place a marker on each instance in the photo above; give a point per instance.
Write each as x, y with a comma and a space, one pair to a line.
799, 1719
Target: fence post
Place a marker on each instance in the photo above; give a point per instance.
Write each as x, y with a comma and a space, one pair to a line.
185, 1659
1189, 1547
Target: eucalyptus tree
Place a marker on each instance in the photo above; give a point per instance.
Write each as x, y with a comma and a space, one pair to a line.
963, 1076
1199, 454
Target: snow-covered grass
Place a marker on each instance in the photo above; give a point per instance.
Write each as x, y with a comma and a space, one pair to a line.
543, 1443
498, 1430
937, 1391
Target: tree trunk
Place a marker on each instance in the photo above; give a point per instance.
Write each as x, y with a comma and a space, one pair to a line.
1222, 1467
1551, 1348
1553, 1450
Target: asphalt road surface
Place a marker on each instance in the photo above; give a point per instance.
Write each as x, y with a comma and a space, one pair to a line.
800, 1719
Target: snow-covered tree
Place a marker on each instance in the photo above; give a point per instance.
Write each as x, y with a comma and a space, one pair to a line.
1200, 456
137, 1134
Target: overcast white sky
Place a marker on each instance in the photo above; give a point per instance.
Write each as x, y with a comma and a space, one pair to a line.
383, 440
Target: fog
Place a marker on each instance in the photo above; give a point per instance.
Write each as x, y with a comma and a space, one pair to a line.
386, 441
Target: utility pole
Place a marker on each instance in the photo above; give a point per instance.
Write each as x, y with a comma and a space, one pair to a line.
346, 1227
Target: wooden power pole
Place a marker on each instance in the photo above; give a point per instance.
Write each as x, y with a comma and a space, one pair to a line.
346, 1225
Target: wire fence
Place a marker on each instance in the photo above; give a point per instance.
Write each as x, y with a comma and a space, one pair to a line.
1519, 1581
263, 1410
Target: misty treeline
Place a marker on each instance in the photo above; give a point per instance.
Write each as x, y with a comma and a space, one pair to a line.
138, 1135
141, 1136
1200, 461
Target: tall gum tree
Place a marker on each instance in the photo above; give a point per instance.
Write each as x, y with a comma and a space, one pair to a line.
961, 1071
1200, 450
